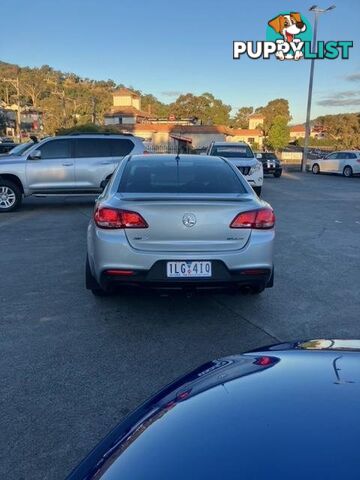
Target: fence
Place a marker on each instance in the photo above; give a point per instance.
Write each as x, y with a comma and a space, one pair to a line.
166, 148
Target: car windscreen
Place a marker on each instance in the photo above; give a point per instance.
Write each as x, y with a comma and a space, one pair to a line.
269, 156
232, 151
203, 176
21, 148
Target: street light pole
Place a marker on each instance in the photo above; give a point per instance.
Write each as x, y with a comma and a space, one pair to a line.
317, 11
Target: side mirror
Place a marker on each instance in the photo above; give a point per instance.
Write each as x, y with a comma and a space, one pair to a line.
35, 155
259, 156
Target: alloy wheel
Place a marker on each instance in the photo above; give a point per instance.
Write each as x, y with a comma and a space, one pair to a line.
7, 197
348, 171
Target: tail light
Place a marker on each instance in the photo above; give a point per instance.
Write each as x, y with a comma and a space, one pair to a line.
112, 218
258, 219
265, 361
121, 273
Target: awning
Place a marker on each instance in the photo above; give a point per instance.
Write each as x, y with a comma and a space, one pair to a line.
181, 138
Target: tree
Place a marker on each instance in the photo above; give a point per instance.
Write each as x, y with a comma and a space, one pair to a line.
279, 133
343, 129
205, 107
32, 81
274, 108
241, 119
153, 106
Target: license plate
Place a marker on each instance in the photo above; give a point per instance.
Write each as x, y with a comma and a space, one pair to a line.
188, 269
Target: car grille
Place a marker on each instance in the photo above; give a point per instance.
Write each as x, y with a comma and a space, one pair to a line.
244, 170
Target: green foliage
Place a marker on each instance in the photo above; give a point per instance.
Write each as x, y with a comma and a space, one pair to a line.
279, 133
275, 108
318, 142
65, 99
342, 129
205, 107
154, 107
87, 128
241, 119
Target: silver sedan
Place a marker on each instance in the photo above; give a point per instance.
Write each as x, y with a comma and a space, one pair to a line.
187, 221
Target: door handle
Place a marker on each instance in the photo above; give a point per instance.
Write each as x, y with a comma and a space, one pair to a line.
68, 164
106, 163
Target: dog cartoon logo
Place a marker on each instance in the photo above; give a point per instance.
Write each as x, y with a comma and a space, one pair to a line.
288, 26
289, 37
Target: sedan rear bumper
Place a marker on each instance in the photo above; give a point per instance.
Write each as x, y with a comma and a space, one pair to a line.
272, 170
156, 277
110, 250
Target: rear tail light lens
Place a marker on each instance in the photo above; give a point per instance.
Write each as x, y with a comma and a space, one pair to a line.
265, 361
112, 218
258, 219
124, 273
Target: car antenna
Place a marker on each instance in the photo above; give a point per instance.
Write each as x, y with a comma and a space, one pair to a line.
178, 152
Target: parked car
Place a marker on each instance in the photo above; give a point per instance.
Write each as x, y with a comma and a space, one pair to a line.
271, 163
285, 411
5, 147
77, 163
346, 163
188, 221
241, 155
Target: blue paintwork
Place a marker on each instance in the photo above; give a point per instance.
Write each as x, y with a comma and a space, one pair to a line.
283, 412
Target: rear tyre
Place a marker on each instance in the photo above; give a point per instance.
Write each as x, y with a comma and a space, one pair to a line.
10, 196
91, 282
277, 174
348, 171
257, 190
315, 169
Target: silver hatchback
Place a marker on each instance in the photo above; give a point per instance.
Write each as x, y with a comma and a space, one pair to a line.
188, 221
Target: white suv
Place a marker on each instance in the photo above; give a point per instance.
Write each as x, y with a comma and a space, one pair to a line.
68, 164
241, 155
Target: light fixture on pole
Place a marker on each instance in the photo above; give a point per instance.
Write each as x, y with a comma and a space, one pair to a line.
317, 11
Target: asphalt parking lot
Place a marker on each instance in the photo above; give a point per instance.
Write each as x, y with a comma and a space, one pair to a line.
73, 365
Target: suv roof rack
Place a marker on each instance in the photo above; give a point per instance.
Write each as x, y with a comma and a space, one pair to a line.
73, 134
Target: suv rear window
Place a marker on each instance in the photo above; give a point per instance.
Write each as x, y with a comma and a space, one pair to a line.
121, 147
232, 151
268, 156
102, 147
157, 175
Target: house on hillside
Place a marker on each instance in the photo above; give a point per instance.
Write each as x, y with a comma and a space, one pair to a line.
31, 120
126, 108
174, 133
296, 132
256, 120
170, 136
253, 136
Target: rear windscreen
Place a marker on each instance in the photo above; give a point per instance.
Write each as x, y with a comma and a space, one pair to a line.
182, 176
232, 151
269, 156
